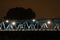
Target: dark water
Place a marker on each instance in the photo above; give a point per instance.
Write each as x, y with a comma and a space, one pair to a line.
32, 35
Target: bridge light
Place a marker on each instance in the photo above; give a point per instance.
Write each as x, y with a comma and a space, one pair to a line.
49, 22
13, 23
7, 21
34, 20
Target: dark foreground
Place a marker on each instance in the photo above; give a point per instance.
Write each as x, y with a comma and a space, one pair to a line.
42, 35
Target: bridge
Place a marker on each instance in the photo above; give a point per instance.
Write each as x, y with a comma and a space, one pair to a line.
30, 25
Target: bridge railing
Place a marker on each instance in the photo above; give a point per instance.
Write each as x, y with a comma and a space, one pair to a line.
32, 25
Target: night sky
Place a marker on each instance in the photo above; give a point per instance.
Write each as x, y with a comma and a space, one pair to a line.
42, 8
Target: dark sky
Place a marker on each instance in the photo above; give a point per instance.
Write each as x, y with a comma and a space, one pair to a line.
42, 8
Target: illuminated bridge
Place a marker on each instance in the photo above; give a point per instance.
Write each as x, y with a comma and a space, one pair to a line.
30, 25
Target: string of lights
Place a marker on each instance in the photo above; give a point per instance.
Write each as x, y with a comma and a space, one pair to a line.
36, 25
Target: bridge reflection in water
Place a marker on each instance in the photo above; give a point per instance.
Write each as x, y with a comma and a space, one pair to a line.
30, 25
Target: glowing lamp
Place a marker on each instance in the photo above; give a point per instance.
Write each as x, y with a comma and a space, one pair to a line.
48, 22
7, 21
33, 20
13, 23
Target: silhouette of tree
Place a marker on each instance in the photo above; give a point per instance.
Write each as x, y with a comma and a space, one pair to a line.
20, 13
